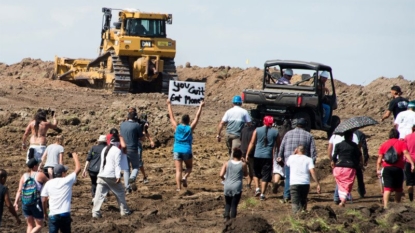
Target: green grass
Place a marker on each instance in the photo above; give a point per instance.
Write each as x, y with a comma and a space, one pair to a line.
324, 226
355, 213
296, 225
250, 202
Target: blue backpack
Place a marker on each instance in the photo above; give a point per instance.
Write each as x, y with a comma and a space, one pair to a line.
30, 194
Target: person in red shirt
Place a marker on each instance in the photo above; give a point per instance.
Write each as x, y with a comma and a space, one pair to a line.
392, 174
410, 176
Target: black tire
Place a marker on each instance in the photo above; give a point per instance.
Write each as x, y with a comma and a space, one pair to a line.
335, 121
304, 115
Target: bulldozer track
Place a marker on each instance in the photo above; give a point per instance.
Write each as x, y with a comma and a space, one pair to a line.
169, 73
122, 75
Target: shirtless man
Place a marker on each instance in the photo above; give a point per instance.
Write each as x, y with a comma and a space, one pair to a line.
38, 129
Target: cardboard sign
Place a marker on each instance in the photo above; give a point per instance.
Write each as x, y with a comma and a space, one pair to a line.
186, 93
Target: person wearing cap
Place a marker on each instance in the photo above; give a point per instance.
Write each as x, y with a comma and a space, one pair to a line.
109, 178
33, 213
58, 194
5, 198
235, 118
405, 120
93, 163
286, 78
323, 91
410, 175
182, 146
53, 155
130, 137
397, 105
291, 140
264, 140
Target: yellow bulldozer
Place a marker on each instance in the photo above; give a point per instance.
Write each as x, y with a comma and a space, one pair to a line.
135, 55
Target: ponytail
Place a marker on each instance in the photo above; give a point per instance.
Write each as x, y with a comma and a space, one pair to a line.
106, 153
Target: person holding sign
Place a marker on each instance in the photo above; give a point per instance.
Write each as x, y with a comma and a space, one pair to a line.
235, 118
182, 147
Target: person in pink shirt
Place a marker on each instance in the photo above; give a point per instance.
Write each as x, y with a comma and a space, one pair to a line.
410, 176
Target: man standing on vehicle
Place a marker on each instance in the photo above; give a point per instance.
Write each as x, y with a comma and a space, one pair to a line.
397, 105
286, 78
59, 193
292, 139
235, 118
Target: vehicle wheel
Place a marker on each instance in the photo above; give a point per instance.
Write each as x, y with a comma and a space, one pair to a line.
304, 115
335, 121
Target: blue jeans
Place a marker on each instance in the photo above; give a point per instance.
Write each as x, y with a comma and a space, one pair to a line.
287, 194
57, 223
326, 116
336, 194
134, 158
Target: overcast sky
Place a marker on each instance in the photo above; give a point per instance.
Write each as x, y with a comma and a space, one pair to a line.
360, 40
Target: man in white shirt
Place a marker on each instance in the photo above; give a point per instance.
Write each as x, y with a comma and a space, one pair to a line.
109, 178
405, 120
59, 193
301, 167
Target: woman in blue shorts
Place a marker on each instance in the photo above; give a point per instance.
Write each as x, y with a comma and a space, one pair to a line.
182, 147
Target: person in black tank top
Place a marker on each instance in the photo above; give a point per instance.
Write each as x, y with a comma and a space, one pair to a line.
5, 198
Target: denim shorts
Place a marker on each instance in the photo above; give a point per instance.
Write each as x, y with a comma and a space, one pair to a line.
34, 211
181, 156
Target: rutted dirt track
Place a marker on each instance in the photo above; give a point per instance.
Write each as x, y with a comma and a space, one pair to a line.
85, 113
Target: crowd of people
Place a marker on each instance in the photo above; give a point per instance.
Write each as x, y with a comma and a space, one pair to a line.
285, 157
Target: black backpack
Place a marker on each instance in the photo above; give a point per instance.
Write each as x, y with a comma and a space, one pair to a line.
391, 155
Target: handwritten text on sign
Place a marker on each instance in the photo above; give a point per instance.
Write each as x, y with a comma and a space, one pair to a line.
186, 93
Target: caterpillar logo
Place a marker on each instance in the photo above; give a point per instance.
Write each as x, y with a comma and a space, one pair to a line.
146, 43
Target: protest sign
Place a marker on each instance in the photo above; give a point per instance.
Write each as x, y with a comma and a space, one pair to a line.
186, 93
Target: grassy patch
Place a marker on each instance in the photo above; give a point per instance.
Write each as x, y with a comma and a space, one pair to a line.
250, 202
323, 224
296, 225
355, 213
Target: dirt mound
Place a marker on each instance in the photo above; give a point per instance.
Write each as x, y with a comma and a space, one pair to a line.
248, 224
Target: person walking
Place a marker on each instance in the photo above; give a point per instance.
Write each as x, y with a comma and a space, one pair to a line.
264, 140
246, 135
361, 138
182, 147
109, 178
234, 169
405, 120
334, 140
93, 163
53, 155
131, 134
392, 171
398, 103
57, 194
300, 169
235, 118
5, 198
38, 128
410, 176
30, 186
292, 139
345, 160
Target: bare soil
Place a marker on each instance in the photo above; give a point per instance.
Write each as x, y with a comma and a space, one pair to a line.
85, 113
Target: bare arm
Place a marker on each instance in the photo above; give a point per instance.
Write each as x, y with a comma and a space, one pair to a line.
77, 164
54, 125
386, 115
329, 150
251, 144
379, 163
245, 169
171, 115
313, 174
409, 159
86, 166
61, 158
25, 135
45, 207
220, 127
42, 161
223, 170
199, 111
18, 193
10, 206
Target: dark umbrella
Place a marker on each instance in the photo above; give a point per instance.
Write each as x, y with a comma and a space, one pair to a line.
354, 123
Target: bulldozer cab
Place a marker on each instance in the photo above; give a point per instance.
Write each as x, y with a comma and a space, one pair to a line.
145, 27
